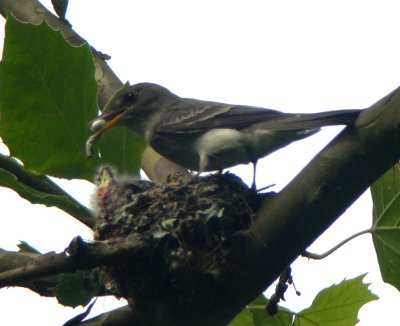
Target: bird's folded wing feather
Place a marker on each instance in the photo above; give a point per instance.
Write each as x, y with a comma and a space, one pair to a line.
193, 116
200, 116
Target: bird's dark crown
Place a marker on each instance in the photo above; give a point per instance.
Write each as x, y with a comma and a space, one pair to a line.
144, 88
138, 94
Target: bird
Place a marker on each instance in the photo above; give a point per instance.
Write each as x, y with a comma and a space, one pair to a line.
204, 135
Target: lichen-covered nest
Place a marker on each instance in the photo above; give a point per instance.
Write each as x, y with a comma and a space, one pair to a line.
187, 225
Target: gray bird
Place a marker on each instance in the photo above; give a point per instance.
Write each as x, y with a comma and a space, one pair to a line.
207, 136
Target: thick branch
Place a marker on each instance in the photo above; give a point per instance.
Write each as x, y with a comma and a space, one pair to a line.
79, 255
157, 167
11, 259
289, 222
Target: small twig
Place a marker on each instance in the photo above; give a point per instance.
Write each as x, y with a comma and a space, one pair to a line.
315, 256
266, 187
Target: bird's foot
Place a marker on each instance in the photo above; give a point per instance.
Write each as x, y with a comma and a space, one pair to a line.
263, 188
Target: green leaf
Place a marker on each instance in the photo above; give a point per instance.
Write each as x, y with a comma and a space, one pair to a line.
75, 289
48, 95
386, 224
282, 318
244, 318
65, 203
255, 315
121, 149
337, 305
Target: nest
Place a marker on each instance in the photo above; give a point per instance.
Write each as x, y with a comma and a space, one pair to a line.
189, 226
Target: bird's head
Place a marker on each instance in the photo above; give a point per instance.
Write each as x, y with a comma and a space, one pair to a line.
130, 105
133, 106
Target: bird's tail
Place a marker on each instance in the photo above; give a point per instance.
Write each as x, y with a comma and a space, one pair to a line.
316, 120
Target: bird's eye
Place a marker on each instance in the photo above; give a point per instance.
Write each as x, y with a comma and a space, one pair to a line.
130, 97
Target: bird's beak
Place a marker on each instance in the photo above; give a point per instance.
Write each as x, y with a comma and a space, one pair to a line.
100, 125
106, 121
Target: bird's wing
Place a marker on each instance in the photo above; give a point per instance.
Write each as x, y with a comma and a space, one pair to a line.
199, 116
193, 116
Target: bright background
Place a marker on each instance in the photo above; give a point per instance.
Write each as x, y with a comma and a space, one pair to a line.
290, 55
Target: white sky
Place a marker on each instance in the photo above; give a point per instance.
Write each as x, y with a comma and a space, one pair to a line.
295, 56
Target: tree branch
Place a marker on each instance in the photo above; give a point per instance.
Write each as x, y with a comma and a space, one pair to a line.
41, 189
289, 222
11, 259
79, 255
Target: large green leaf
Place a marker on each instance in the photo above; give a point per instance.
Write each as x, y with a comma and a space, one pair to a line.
337, 305
121, 149
47, 97
386, 224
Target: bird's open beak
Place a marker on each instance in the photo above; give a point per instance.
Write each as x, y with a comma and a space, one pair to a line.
106, 121
100, 125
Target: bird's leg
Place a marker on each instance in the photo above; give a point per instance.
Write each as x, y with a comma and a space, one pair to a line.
253, 184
